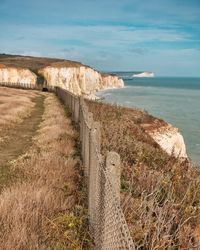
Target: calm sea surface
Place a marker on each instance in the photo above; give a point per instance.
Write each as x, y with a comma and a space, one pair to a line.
176, 100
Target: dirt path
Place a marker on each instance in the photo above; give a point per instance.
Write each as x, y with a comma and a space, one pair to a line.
19, 140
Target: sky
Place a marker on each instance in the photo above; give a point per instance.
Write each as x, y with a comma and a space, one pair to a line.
162, 36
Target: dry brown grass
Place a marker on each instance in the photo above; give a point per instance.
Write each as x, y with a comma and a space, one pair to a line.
160, 195
15, 105
44, 210
35, 63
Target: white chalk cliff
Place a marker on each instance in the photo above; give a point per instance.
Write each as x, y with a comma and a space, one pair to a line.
144, 74
84, 80
170, 140
17, 75
81, 80
78, 79
111, 81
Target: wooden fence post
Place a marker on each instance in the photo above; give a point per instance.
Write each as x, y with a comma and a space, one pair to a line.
81, 115
113, 169
76, 109
93, 172
111, 190
87, 142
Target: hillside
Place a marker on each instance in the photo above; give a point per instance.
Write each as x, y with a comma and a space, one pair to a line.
159, 193
41, 190
34, 63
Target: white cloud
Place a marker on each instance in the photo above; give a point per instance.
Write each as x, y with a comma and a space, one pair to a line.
105, 47
95, 35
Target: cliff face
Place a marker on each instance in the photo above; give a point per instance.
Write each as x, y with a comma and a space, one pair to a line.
170, 140
15, 75
83, 80
144, 74
111, 81
79, 80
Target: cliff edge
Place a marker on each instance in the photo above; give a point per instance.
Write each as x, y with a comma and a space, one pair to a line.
168, 137
170, 140
144, 74
15, 74
81, 79
73, 76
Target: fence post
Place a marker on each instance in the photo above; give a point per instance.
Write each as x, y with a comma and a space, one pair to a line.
74, 113
74, 97
113, 169
93, 173
65, 98
81, 117
68, 100
87, 142
81, 123
83, 128
111, 190
72, 106
76, 109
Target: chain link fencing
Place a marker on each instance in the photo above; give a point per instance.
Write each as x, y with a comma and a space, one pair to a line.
102, 173
106, 219
27, 86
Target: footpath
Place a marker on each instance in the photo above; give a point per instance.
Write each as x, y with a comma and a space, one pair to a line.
18, 140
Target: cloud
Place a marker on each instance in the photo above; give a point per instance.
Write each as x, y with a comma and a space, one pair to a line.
112, 34
94, 35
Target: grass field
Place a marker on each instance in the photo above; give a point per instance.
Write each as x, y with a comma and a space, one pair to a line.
20, 114
41, 194
41, 189
15, 105
160, 195
35, 63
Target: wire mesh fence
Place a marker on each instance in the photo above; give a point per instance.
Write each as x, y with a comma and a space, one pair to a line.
107, 222
20, 85
106, 219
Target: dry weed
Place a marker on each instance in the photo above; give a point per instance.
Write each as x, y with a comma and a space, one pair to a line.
15, 105
43, 211
160, 195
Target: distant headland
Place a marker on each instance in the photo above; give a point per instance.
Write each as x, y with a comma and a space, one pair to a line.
144, 74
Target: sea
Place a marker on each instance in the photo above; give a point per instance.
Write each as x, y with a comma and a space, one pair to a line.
173, 99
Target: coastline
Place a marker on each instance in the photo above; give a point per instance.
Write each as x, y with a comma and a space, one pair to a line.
166, 135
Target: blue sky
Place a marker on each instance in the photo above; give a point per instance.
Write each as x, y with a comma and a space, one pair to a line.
162, 36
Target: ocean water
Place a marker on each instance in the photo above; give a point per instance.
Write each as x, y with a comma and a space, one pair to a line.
176, 100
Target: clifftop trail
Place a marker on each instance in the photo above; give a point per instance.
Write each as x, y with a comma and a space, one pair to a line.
18, 140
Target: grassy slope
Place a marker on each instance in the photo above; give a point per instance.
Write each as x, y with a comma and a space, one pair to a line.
44, 209
15, 105
160, 195
20, 113
35, 63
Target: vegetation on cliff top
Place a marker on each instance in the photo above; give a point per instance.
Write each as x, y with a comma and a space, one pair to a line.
15, 105
160, 195
44, 207
36, 63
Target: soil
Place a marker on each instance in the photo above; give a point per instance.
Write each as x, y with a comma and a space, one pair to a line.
18, 140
